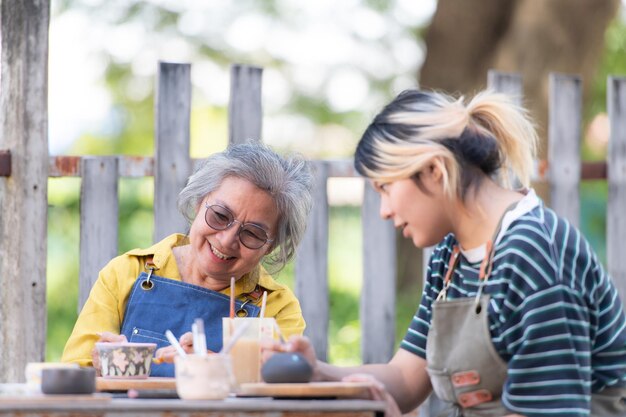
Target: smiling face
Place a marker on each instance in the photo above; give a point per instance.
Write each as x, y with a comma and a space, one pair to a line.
420, 212
217, 255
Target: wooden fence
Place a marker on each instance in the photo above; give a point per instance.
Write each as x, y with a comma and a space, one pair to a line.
25, 167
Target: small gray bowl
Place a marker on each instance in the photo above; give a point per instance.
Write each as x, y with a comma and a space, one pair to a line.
68, 381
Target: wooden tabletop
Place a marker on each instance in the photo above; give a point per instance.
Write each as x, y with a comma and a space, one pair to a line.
256, 407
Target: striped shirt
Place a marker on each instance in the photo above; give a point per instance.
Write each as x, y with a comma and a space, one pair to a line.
554, 316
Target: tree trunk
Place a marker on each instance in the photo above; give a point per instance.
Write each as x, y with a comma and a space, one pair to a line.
530, 37
466, 38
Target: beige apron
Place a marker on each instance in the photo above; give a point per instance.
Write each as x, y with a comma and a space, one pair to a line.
464, 367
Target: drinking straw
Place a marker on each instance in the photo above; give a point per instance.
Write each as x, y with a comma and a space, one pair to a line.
170, 336
263, 302
199, 323
235, 335
232, 297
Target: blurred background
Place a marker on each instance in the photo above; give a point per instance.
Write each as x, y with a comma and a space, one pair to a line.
329, 66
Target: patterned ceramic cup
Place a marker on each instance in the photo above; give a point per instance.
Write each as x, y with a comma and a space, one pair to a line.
125, 360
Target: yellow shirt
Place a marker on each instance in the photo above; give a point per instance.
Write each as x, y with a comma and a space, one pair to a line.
106, 305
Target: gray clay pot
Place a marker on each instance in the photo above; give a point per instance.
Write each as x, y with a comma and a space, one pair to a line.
286, 368
68, 380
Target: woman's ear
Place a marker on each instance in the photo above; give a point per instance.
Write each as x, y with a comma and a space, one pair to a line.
435, 170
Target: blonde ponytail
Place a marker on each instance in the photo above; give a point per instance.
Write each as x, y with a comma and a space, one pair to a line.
496, 115
488, 137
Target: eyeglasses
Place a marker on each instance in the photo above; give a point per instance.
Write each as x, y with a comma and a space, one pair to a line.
250, 235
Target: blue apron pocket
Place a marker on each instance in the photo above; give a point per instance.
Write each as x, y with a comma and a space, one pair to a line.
138, 335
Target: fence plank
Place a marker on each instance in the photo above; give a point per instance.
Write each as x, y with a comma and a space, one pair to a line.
23, 195
98, 220
564, 145
245, 107
616, 222
378, 297
311, 268
511, 85
172, 164
507, 83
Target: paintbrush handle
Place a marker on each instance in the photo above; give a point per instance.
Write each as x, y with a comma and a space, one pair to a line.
201, 350
172, 339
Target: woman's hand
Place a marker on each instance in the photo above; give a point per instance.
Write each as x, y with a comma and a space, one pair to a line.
105, 337
377, 392
168, 353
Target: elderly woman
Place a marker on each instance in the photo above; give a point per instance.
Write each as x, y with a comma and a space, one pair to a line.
245, 205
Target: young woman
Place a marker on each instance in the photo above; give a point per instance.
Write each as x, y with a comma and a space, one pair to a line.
517, 316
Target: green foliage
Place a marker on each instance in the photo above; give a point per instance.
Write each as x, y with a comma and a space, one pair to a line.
613, 63
136, 224
62, 266
594, 194
345, 271
130, 131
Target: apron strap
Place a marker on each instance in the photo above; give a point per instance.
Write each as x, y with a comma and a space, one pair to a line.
454, 260
149, 265
487, 263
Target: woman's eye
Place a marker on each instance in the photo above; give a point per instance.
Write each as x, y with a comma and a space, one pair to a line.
221, 217
250, 234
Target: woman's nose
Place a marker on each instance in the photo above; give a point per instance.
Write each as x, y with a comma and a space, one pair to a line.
229, 238
385, 210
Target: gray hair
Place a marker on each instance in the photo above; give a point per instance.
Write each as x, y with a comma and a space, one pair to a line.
287, 180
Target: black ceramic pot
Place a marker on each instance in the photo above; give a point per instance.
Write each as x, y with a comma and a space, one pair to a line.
68, 380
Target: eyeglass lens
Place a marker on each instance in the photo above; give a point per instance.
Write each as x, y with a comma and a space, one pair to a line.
250, 235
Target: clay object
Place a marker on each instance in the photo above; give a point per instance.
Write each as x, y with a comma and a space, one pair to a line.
286, 368
68, 380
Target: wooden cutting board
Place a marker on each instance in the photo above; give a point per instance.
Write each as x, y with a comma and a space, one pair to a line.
112, 384
311, 389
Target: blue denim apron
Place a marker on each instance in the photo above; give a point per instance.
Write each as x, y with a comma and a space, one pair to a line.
157, 304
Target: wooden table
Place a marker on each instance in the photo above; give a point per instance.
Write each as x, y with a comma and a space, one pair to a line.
241, 407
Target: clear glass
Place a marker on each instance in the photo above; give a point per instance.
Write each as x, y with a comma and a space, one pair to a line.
207, 377
246, 353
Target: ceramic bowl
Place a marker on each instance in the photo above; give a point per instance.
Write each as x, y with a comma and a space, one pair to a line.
125, 360
33, 371
68, 380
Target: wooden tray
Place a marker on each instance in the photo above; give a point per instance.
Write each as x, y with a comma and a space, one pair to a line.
111, 384
311, 389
